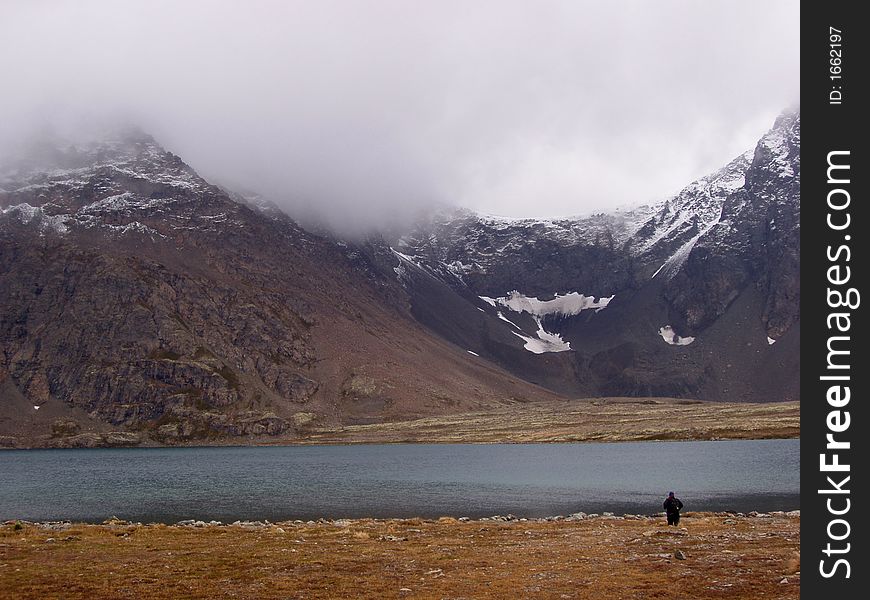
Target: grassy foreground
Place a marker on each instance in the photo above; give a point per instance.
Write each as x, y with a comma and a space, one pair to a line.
600, 420
720, 556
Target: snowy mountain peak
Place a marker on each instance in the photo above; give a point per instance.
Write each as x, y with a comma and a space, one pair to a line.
55, 165
677, 220
125, 183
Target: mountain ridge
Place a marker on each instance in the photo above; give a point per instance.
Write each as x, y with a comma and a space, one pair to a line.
686, 260
140, 299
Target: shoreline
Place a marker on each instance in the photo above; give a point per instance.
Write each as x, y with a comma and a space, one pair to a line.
579, 421
61, 525
316, 443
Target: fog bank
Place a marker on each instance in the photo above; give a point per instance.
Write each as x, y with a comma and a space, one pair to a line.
368, 109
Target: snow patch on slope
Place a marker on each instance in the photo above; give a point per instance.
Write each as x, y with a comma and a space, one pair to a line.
406, 258
508, 321
670, 336
672, 266
565, 305
544, 342
116, 203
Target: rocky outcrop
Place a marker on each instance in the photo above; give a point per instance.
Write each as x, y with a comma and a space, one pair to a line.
157, 337
113, 439
186, 424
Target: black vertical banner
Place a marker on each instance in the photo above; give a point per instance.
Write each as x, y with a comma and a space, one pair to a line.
834, 259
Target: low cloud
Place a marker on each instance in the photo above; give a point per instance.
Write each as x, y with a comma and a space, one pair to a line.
365, 110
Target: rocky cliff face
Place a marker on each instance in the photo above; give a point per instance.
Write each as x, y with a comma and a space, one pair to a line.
122, 294
755, 241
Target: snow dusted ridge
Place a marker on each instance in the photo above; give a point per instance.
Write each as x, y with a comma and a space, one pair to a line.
34, 215
444, 271
774, 149
696, 208
564, 305
401, 270
462, 245
138, 161
127, 185
670, 336
459, 244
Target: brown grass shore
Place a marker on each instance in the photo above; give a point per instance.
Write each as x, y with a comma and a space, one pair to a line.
599, 420
722, 556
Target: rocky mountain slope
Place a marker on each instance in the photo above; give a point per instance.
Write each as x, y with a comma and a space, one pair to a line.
141, 304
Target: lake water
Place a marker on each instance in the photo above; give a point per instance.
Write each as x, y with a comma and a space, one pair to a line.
396, 480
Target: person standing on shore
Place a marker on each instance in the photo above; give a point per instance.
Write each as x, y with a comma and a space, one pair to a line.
672, 506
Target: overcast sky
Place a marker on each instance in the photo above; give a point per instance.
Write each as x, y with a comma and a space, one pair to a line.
544, 108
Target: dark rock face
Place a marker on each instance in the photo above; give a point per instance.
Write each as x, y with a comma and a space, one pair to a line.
755, 242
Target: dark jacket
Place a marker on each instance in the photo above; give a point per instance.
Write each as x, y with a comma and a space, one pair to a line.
672, 505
